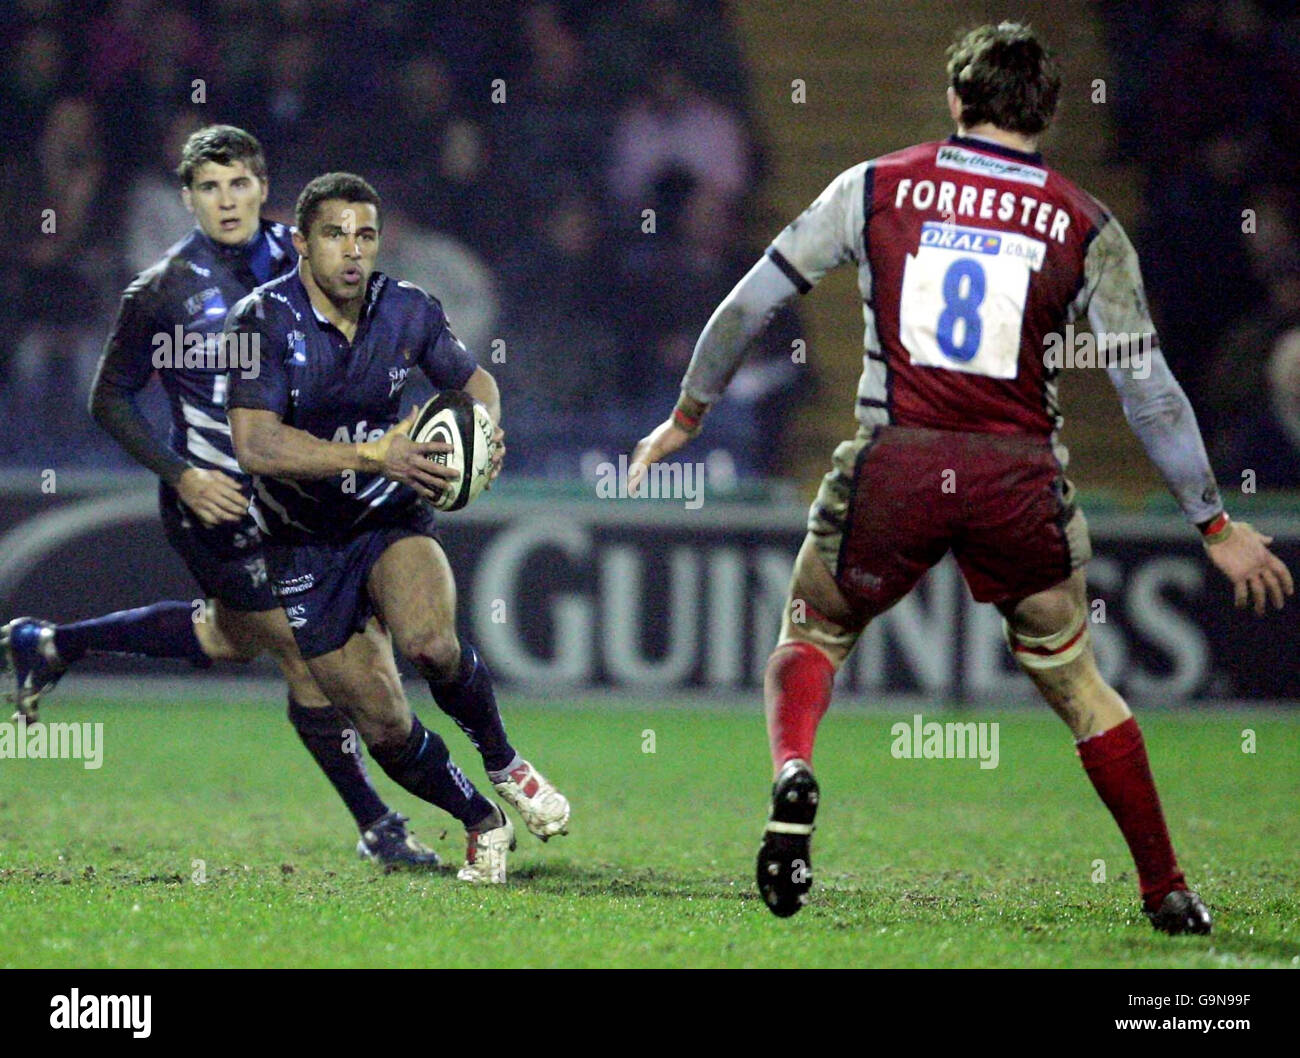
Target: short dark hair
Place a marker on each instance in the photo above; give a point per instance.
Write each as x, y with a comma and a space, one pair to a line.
223, 144
346, 186
1005, 76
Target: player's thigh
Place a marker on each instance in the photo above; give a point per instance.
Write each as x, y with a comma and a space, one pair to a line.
254, 632
267, 632
874, 529
1051, 610
216, 642
361, 678
816, 611
414, 590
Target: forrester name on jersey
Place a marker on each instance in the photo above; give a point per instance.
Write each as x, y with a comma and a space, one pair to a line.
965, 200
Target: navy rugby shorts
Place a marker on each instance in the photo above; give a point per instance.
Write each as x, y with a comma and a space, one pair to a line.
322, 585
227, 559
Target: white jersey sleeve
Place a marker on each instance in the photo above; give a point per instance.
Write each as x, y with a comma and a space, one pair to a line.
827, 234
1112, 293
1154, 403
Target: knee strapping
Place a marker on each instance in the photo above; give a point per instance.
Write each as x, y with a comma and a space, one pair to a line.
1049, 651
830, 637
807, 625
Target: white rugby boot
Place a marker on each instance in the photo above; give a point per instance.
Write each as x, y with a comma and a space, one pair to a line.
544, 809
486, 852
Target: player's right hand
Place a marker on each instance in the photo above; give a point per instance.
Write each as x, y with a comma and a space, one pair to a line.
659, 443
1258, 576
398, 458
212, 496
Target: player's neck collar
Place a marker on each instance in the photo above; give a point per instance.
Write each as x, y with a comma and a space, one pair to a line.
373, 287
244, 248
978, 143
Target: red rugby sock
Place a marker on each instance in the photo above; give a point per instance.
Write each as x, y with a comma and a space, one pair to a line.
797, 690
1116, 762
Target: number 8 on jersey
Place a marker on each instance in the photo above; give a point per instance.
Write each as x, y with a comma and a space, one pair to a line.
963, 298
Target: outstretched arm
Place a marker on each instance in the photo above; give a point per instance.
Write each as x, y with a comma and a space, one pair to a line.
1159, 413
827, 234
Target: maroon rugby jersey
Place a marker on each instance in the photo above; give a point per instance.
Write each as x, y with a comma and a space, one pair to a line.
972, 258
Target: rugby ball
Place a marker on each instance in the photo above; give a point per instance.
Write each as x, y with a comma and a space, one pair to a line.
457, 419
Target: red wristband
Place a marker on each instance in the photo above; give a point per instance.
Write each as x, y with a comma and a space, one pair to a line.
1217, 524
686, 422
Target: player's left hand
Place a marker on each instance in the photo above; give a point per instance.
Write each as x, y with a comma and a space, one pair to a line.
1258, 576
658, 444
498, 455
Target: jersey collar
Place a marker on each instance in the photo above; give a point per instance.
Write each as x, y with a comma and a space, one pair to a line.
974, 143
373, 287
244, 250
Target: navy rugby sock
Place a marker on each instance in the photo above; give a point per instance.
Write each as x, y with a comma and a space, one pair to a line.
424, 767
323, 732
163, 630
471, 702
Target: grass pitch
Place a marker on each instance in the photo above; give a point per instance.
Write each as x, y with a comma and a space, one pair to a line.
208, 838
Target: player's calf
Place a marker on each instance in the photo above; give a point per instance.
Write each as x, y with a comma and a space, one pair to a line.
797, 688
1049, 637
470, 700
39, 653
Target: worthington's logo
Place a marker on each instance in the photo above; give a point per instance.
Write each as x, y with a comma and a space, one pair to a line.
950, 157
23, 741
76, 1011
178, 349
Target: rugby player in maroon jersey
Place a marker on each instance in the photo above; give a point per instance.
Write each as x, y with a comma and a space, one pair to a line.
973, 256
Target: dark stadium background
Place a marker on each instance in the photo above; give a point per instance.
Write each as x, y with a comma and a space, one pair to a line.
526, 215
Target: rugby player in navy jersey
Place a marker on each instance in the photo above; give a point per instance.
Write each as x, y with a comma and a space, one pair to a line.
973, 256
338, 486
203, 495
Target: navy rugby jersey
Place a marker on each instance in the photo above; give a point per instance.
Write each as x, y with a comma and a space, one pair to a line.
317, 381
171, 320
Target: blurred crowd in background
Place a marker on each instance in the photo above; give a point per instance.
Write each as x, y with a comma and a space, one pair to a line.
516, 147
525, 214
1208, 96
